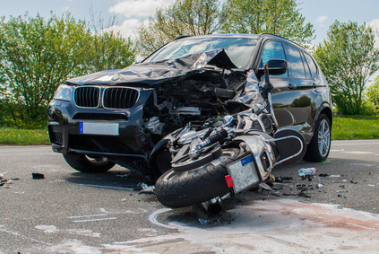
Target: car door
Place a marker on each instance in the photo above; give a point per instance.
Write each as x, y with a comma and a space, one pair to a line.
291, 94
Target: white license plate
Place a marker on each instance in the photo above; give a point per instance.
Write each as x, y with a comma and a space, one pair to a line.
243, 173
99, 128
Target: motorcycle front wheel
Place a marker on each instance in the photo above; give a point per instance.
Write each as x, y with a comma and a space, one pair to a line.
198, 185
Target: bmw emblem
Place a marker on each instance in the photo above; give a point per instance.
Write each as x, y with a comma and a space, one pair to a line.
115, 78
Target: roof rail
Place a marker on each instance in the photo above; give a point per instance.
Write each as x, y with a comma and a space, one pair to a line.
269, 34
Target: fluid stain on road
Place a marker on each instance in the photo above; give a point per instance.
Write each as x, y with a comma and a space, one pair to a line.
280, 226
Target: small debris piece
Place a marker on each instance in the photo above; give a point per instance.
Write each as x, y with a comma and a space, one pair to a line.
37, 176
142, 185
204, 222
123, 175
265, 187
335, 176
323, 175
320, 185
271, 180
353, 182
342, 186
148, 190
342, 191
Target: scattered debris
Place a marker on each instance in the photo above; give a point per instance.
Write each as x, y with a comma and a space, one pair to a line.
281, 179
335, 176
304, 195
342, 191
37, 176
323, 175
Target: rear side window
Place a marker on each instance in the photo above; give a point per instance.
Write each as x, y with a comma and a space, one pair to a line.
311, 64
272, 50
295, 62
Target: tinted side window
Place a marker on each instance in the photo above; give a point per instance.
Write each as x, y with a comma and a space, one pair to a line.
295, 62
272, 50
311, 64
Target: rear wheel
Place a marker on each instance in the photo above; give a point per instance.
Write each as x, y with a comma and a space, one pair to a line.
198, 185
85, 163
319, 147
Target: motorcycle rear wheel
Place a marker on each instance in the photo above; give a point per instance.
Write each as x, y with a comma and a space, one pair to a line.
181, 189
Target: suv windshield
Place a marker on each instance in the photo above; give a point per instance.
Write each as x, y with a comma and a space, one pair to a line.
239, 50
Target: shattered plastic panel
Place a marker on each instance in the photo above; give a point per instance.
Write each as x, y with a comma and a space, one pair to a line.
251, 96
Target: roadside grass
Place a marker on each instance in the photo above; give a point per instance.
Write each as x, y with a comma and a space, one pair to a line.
20, 136
344, 128
355, 128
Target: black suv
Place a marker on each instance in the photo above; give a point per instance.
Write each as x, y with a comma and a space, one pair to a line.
120, 116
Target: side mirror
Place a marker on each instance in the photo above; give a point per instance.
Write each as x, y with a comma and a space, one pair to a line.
276, 66
272, 67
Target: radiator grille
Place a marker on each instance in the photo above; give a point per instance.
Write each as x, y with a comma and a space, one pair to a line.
87, 96
120, 97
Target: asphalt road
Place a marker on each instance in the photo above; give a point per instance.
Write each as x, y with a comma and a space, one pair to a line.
73, 212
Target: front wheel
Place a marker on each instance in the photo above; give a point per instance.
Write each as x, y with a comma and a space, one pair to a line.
186, 188
86, 163
319, 147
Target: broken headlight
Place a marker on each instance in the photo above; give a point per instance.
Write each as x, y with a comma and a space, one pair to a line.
64, 92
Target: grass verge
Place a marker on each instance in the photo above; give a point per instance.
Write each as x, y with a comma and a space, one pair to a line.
19, 136
344, 128
355, 128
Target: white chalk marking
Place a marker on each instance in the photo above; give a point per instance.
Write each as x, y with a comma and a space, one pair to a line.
86, 216
89, 220
109, 187
154, 215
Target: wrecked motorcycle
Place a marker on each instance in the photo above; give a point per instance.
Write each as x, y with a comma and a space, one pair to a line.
229, 154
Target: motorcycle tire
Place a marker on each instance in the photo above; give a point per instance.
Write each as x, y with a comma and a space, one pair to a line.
182, 189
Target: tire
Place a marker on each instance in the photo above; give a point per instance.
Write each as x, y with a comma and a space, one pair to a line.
181, 189
88, 164
319, 147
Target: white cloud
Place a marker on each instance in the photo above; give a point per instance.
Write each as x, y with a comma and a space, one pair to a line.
136, 13
138, 8
321, 20
128, 28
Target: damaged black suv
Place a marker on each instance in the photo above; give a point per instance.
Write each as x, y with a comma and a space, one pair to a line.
120, 116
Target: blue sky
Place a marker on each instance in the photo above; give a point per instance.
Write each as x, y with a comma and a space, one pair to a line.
130, 13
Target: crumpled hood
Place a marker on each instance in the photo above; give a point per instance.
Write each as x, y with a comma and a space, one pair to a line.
153, 73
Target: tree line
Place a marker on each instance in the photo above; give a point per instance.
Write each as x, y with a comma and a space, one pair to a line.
37, 54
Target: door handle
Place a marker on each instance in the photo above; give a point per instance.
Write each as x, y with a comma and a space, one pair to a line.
292, 86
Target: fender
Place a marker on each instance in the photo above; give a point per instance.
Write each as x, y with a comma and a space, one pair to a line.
324, 108
162, 143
